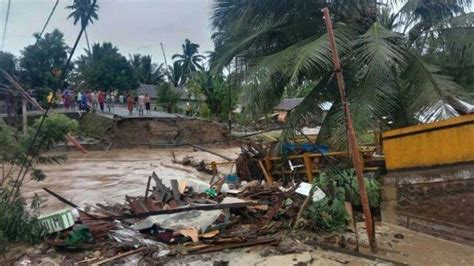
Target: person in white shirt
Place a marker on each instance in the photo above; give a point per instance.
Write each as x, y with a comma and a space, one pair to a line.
141, 104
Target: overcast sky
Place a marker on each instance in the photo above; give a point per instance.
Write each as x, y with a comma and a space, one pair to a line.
134, 26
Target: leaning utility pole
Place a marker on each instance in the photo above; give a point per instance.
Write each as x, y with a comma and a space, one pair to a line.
164, 57
351, 137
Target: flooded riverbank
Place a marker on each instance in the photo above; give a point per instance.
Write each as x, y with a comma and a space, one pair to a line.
101, 176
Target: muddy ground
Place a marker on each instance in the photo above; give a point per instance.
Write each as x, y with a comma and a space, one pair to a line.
107, 176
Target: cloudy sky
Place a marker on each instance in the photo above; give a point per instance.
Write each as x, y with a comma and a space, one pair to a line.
134, 26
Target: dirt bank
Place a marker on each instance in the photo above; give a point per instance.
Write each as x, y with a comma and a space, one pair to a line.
152, 131
128, 133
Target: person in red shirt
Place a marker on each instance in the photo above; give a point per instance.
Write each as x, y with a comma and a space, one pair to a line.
101, 99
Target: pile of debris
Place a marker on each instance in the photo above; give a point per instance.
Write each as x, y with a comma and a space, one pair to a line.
187, 215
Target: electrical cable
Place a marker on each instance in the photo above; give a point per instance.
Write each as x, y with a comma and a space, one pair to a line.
7, 17
27, 160
47, 22
212, 141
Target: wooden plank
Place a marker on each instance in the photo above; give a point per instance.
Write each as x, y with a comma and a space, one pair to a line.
236, 245
125, 254
147, 188
211, 152
308, 165
268, 177
175, 189
185, 209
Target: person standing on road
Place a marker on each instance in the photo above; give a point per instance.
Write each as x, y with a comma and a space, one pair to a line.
79, 99
147, 104
66, 99
141, 104
83, 105
95, 101
121, 100
130, 103
109, 99
50, 97
101, 99
72, 97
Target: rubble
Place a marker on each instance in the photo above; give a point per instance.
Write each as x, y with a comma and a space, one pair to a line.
179, 216
184, 216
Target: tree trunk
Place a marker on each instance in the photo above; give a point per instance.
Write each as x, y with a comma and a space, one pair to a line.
87, 41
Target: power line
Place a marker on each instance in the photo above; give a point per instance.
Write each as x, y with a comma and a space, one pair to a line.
47, 21
6, 23
28, 159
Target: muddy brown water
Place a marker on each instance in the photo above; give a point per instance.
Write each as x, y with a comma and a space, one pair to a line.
101, 177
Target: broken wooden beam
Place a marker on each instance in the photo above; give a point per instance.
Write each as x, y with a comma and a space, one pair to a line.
235, 245
125, 254
184, 209
209, 151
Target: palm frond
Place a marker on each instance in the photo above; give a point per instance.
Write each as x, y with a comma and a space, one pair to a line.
310, 56
430, 89
262, 92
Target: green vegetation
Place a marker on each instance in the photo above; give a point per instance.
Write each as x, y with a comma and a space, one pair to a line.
145, 71
94, 125
18, 223
106, 69
167, 96
330, 213
189, 61
80, 11
388, 56
215, 88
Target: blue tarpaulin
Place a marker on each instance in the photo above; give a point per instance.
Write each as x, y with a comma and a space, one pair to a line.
305, 147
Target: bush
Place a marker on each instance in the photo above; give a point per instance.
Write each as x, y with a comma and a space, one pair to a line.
17, 224
329, 213
204, 111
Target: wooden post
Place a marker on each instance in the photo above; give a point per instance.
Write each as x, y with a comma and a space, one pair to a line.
147, 188
214, 167
308, 165
268, 177
214, 172
24, 114
351, 137
268, 164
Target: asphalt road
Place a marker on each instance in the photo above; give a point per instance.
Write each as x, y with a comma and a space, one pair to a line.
123, 112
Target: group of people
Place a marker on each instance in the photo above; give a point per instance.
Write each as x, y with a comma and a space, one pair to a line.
96, 100
90, 100
85, 100
141, 102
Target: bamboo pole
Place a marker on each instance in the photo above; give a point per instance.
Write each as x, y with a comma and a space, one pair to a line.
351, 137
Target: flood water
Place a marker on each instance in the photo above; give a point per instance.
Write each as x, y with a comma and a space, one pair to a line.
104, 177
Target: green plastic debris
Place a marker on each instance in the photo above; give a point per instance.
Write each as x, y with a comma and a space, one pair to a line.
211, 192
80, 235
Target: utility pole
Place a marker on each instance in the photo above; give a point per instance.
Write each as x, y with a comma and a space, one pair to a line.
351, 137
24, 114
164, 57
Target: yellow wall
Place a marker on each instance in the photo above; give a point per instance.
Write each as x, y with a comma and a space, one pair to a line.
444, 142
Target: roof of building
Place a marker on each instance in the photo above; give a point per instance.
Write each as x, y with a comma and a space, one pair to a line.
148, 89
288, 104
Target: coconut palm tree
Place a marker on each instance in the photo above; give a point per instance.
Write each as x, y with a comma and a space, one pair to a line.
383, 50
145, 71
190, 60
175, 74
80, 11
